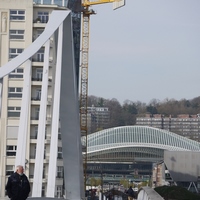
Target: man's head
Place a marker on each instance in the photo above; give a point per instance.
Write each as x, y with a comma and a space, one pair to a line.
20, 169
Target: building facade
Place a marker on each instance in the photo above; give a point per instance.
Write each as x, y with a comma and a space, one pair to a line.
169, 172
184, 125
21, 23
98, 118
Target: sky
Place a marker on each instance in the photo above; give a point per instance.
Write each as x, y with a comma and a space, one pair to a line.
148, 49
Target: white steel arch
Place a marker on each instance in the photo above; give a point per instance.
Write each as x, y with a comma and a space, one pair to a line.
65, 108
139, 136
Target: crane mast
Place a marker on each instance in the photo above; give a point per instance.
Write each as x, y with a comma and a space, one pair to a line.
86, 12
84, 82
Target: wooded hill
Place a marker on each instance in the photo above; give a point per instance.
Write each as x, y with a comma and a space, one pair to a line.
125, 114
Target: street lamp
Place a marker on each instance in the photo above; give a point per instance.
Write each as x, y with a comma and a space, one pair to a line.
101, 181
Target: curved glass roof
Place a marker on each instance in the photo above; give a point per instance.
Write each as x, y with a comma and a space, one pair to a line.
136, 141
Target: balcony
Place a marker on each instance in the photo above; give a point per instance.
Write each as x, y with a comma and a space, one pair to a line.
43, 20
59, 176
36, 78
38, 59
32, 156
31, 176
48, 139
35, 98
49, 100
35, 118
33, 137
38, 24
59, 157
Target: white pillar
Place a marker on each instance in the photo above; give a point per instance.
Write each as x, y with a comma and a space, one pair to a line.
55, 119
24, 115
1, 88
39, 159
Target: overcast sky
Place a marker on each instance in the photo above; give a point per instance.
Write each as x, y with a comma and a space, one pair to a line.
148, 49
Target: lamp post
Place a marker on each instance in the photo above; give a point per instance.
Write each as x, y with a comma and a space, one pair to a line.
101, 181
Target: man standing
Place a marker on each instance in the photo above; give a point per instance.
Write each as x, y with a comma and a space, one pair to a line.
18, 186
131, 194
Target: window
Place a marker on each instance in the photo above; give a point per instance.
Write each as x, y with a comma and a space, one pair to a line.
17, 73
14, 52
39, 74
40, 55
14, 92
16, 34
37, 112
34, 152
14, 111
38, 93
44, 16
39, 32
59, 192
11, 150
59, 172
43, 191
17, 14
59, 134
43, 175
34, 132
59, 152
9, 170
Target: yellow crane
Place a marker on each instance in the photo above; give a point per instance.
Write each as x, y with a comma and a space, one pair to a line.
86, 12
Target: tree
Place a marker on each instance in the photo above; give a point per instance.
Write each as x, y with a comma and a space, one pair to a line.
100, 102
116, 114
151, 109
124, 182
93, 182
130, 107
98, 182
126, 114
129, 112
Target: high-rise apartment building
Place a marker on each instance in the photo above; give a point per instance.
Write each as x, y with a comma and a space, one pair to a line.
184, 124
21, 22
98, 118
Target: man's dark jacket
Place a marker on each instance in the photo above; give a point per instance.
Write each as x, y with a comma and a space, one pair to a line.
130, 192
18, 187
